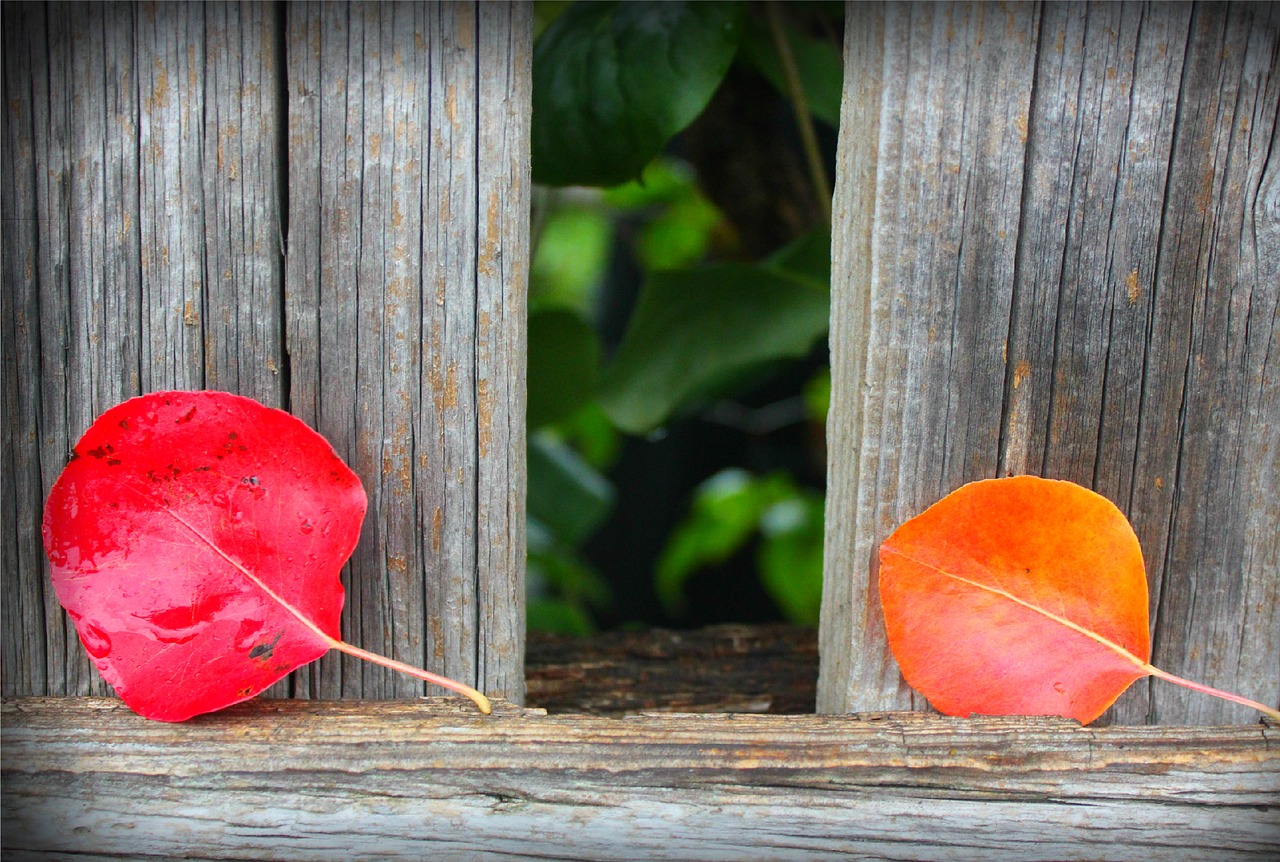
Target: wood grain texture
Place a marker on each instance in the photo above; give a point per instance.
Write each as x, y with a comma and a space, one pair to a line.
1104, 310
504, 109
22, 632
297, 780
727, 668
157, 163
406, 319
934, 298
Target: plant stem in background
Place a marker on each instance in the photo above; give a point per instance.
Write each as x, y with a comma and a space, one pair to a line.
804, 118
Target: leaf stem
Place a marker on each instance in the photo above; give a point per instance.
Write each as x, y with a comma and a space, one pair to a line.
479, 699
800, 102
1204, 689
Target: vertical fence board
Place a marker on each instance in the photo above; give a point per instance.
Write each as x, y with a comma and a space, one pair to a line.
319, 263
505, 80
26, 662
447, 426
148, 175
1217, 290
391, 328
1098, 166
171, 144
947, 189
115, 98
359, 75
243, 179
1133, 338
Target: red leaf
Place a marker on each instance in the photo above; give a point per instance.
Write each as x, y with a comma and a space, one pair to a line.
1020, 596
196, 540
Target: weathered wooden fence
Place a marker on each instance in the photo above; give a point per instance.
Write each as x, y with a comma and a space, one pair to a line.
323, 207
1057, 250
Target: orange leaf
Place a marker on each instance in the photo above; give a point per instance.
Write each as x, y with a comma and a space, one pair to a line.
1021, 596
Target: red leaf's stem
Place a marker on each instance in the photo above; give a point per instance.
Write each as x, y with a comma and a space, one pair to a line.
479, 699
1225, 695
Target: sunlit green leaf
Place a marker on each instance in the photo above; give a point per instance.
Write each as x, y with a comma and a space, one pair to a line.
817, 395
557, 616
571, 257
591, 434
790, 555
680, 235
663, 180
613, 81
725, 512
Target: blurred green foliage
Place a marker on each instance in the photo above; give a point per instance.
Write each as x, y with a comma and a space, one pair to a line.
613, 84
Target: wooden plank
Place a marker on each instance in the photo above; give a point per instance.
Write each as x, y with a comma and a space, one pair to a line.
1103, 124
929, 309
80, 94
405, 326
171, 142
297, 780
728, 668
1124, 346
1219, 268
210, 175
151, 162
504, 100
354, 296
243, 181
447, 426
22, 490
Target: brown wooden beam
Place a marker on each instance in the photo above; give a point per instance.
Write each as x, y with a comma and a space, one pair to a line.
725, 668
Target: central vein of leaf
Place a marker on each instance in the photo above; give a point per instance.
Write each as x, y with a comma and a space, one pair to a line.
254, 579
1062, 621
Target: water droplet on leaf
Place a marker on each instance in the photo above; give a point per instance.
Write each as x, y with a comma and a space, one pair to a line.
96, 642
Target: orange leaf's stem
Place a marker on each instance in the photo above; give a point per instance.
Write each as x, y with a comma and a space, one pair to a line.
479, 699
1225, 695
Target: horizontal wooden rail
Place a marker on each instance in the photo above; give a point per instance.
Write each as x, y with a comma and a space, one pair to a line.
301, 780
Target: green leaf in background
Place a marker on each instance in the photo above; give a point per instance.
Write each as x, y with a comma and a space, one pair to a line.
696, 333
567, 496
572, 255
725, 513
817, 395
807, 256
728, 510
818, 65
612, 82
562, 590
681, 221
790, 555
564, 364
558, 616
592, 435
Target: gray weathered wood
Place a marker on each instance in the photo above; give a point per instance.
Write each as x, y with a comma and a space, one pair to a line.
1074, 271
504, 103
406, 322
295, 780
243, 186
157, 165
26, 641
